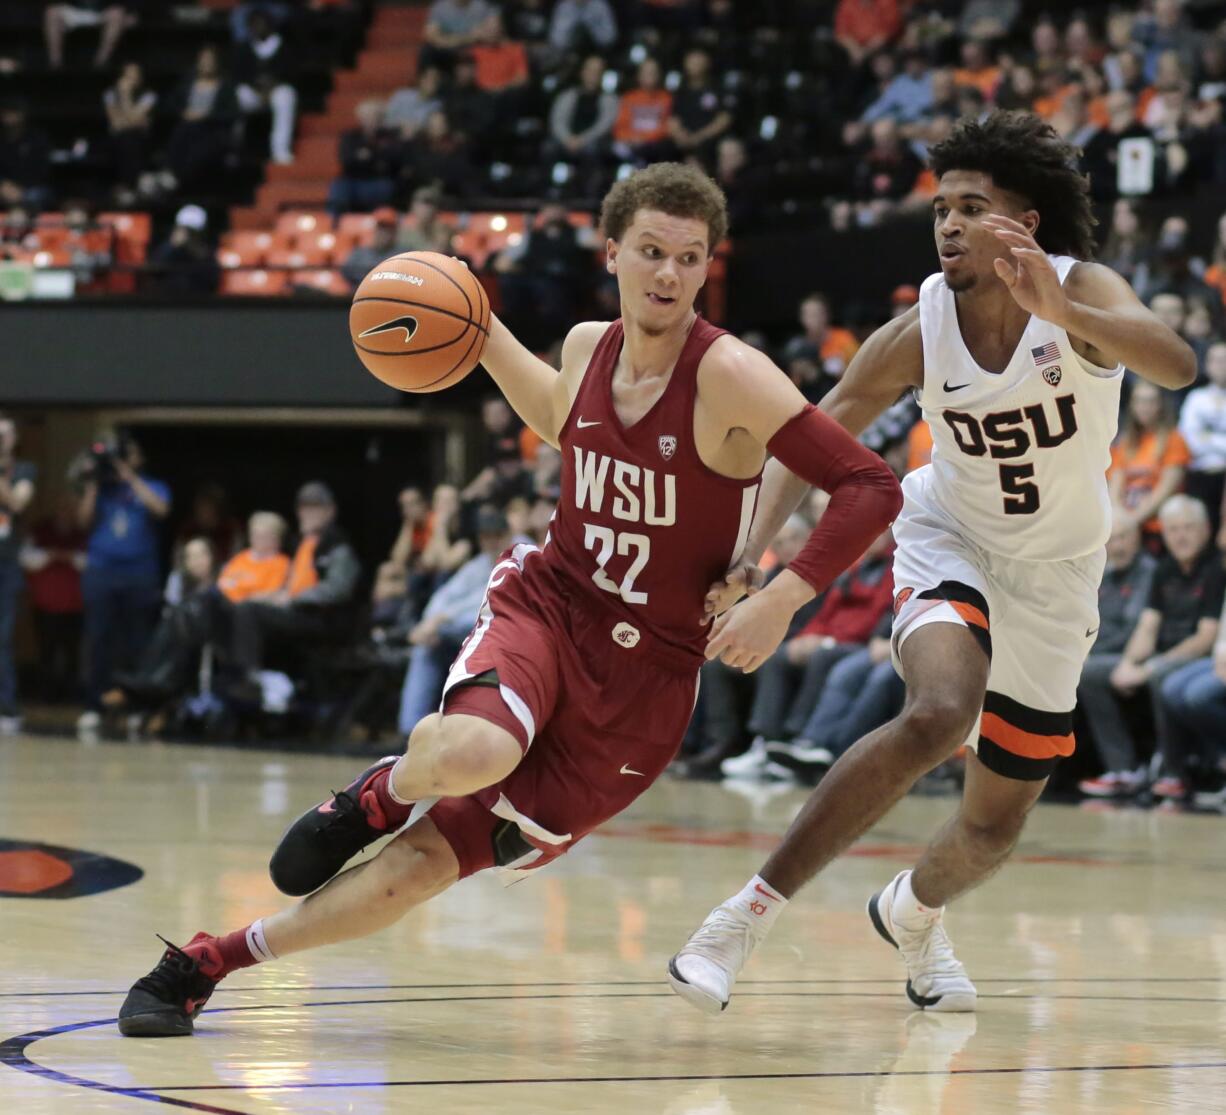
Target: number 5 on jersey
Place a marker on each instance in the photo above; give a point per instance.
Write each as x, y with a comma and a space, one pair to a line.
604, 541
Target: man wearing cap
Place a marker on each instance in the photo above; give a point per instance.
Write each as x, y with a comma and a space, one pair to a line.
315, 604
364, 257
448, 618
184, 262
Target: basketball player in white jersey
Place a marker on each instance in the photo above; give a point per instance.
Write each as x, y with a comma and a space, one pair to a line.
1016, 351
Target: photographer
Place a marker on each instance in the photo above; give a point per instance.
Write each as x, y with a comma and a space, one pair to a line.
16, 491
120, 506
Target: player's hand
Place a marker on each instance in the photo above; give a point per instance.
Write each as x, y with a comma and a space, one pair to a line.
743, 579
750, 633
1031, 278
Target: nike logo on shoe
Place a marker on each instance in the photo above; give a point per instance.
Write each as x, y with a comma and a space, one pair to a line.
626, 770
958, 388
584, 425
762, 890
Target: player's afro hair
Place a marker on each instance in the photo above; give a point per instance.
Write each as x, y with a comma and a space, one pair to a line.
673, 188
1023, 154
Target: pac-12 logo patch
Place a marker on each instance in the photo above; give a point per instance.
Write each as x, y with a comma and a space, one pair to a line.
902, 598
1052, 375
407, 323
668, 446
625, 635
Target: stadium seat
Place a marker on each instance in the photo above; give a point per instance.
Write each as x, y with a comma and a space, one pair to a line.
297, 257
295, 222
244, 249
258, 283
323, 279
335, 246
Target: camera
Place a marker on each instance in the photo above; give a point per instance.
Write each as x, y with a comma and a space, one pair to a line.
96, 463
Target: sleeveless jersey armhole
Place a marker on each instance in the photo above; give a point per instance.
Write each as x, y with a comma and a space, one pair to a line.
611, 335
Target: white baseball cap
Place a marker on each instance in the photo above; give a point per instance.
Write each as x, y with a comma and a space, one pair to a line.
193, 217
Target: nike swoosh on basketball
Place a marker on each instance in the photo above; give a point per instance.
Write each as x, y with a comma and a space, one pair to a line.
958, 388
626, 770
584, 425
407, 323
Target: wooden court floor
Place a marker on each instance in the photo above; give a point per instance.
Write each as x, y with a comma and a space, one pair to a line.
1100, 956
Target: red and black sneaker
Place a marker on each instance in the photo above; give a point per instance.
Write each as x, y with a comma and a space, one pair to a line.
164, 1003
326, 837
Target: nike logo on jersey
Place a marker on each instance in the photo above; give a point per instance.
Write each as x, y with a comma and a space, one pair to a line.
626, 770
1091, 631
958, 388
408, 324
584, 425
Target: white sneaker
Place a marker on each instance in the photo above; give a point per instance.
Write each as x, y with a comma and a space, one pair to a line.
748, 764
705, 969
936, 979
89, 721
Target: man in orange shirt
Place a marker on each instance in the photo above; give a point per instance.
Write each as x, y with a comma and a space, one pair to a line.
835, 345
260, 570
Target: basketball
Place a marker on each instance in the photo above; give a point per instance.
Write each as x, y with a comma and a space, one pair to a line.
419, 321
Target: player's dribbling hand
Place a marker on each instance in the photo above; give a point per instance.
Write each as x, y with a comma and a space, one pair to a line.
1031, 278
747, 635
743, 579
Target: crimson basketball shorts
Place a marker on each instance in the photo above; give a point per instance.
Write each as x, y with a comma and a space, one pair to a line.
1036, 620
598, 705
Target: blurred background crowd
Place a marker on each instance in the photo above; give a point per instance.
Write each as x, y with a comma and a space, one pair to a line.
281, 147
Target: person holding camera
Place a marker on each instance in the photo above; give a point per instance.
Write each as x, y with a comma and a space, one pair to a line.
16, 490
120, 506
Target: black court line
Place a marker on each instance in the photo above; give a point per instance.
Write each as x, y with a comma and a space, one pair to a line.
14, 1053
608, 983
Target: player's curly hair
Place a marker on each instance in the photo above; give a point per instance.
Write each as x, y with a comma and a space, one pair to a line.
1023, 154
673, 188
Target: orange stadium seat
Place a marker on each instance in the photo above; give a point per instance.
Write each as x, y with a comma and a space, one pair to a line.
336, 246
244, 249
359, 226
296, 257
296, 222
137, 227
257, 283
323, 279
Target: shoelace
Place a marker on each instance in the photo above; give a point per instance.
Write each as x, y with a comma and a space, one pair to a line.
936, 955
174, 967
713, 940
338, 824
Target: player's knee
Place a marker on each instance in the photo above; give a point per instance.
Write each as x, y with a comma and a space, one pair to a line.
995, 837
938, 724
471, 755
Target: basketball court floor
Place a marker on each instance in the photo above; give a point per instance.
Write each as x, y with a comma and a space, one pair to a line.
1100, 956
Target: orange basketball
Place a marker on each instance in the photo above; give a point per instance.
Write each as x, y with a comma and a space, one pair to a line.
419, 321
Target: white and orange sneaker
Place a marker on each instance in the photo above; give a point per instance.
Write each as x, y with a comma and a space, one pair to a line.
936, 979
705, 969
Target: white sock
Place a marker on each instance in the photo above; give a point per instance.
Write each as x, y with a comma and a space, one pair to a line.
908, 910
256, 943
391, 784
762, 902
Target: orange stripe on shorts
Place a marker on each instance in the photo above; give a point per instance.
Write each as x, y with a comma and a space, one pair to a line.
969, 613
1027, 744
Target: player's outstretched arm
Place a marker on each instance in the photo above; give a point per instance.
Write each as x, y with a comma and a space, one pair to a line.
1094, 306
537, 393
745, 390
890, 362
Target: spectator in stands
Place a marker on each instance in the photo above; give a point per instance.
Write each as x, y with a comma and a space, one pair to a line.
195, 571
582, 25
121, 506
368, 156
470, 109
314, 607
1123, 595
682, 16
863, 27
977, 70
545, 277
129, 105
987, 20
425, 230
528, 22
25, 161
701, 114
505, 474
1127, 249
1162, 30
1179, 624
1148, 460
409, 108
382, 245
260, 570
1171, 272
53, 559
448, 618
581, 123
277, 12
641, 132
884, 174
1215, 273
416, 524
908, 96
1047, 50
835, 345
262, 68
502, 72
744, 184
1018, 90
205, 105
59, 19
440, 157
447, 549
452, 26
1202, 422
185, 262
547, 473
16, 491
1194, 706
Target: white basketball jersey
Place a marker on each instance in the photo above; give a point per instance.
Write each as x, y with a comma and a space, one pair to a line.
1019, 458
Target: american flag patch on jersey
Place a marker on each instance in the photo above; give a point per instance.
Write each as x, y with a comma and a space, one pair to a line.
1045, 354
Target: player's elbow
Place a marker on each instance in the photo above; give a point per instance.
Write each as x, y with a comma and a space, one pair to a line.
1184, 367
879, 478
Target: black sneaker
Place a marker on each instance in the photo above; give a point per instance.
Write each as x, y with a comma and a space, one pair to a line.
327, 836
164, 1003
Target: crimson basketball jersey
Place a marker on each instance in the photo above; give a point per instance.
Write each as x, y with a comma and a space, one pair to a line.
643, 527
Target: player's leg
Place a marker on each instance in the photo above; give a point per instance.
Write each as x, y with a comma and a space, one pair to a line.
411, 869
947, 670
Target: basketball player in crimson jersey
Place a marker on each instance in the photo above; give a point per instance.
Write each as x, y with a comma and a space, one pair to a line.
1016, 350
572, 692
